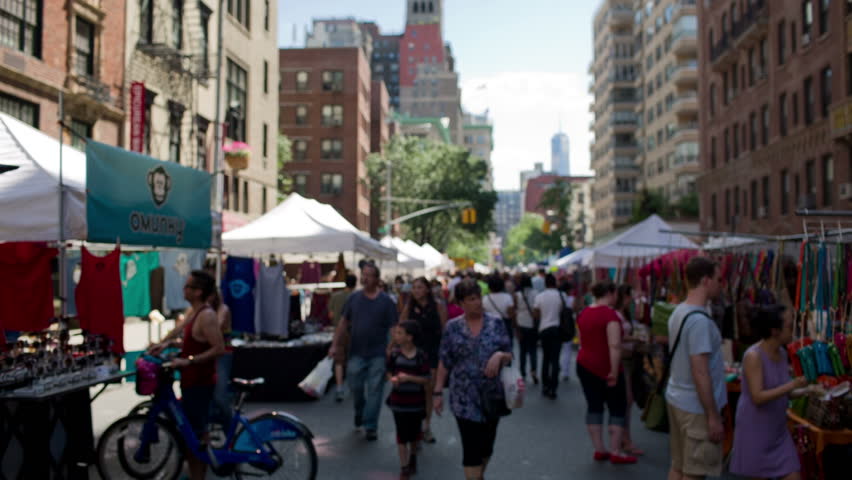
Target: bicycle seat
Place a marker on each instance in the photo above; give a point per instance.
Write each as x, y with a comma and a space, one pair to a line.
247, 384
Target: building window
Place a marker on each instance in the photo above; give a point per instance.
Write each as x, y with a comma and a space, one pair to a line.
727, 206
795, 105
240, 10
331, 183
332, 115
245, 196
302, 79
80, 131
146, 136
301, 115
237, 94
332, 81
265, 76
201, 125
712, 152
712, 100
226, 194
782, 117
752, 67
752, 124
793, 37
785, 192
823, 16
332, 148
807, 21
764, 190
177, 24
300, 150
825, 89
809, 100
300, 183
84, 48
764, 140
205, 14
175, 118
810, 178
736, 150
827, 180
236, 189
736, 201
782, 42
727, 146
265, 27
754, 212
265, 140
713, 211
263, 199
146, 21
849, 74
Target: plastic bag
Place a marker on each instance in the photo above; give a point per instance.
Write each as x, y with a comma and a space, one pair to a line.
513, 387
316, 381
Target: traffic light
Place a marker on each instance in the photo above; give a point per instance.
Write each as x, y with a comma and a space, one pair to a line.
546, 227
469, 216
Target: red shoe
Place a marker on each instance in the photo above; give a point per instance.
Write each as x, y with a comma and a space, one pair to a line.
601, 456
622, 459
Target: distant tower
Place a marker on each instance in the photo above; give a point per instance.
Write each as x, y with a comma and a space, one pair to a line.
560, 155
424, 11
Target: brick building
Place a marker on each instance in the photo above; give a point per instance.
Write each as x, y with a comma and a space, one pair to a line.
325, 108
772, 74
75, 47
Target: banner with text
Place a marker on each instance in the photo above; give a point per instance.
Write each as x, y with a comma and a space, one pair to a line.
137, 116
143, 201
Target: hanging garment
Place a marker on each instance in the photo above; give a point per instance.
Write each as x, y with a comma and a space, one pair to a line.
238, 292
311, 272
26, 298
136, 282
177, 265
73, 269
99, 301
271, 302
157, 281
319, 307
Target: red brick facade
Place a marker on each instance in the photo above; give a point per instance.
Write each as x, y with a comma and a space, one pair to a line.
767, 95
316, 138
37, 77
536, 187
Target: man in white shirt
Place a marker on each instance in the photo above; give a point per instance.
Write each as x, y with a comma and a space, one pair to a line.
547, 307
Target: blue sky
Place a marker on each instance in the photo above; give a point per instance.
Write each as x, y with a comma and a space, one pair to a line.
526, 62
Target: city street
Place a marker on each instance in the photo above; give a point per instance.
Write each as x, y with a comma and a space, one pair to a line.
542, 441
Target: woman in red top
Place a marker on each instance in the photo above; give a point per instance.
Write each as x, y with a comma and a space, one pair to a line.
600, 373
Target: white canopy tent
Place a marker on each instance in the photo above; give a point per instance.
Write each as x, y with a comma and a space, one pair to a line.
301, 226
405, 260
29, 195
436, 259
643, 240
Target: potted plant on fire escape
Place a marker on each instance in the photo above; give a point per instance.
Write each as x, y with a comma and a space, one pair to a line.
237, 155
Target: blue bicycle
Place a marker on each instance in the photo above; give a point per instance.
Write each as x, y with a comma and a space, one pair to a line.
153, 446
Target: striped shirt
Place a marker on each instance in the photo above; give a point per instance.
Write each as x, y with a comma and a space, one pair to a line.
408, 396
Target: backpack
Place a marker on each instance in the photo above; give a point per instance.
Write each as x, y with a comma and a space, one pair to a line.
567, 326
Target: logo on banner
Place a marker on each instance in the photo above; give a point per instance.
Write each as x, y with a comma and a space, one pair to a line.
159, 183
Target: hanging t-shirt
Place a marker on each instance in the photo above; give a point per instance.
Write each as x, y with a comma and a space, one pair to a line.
311, 272
136, 282
177, 265
238, 292
26, 296
73, 269
272, 302
158, 293
98, 297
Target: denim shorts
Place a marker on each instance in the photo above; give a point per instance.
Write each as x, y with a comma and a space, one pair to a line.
196, 401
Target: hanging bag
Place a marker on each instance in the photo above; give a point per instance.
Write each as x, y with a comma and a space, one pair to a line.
567, 327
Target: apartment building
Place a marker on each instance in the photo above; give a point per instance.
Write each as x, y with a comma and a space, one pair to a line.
338, 33
582, 214
775, 85
666, 39
325, 109
615, 148
170, 62
74, 48
478, 138
507, 212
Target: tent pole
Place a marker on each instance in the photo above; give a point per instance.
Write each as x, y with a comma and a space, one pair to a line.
63, 284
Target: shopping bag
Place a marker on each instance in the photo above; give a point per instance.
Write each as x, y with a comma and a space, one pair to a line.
655, 416
513, 387
314, 384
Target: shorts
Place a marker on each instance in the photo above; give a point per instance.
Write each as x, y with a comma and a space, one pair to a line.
477, 441
195, 402
692, 451
598, 394
408, 426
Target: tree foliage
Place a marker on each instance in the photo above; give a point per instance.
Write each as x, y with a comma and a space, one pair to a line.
284, 153
426, 170
557, 200
650, 202
467, 245
526, 242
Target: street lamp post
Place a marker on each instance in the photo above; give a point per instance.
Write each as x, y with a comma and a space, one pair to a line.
217, 138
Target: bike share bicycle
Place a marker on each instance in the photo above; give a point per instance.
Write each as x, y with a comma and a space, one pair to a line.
153, 445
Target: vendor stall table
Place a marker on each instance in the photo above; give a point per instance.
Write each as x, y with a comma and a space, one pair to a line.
48, 434
283, 367
821, 438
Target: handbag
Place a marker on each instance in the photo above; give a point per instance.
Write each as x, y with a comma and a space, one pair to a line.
492, 397
655, 415
567, 327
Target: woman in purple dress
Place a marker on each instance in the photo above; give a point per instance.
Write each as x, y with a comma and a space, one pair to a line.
763, 447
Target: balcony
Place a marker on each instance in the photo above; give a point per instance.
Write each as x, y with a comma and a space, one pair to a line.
684, 7
752, 26
620, 17
722, 55
685, 42
686, 132
686, 103
90, 87
686, 73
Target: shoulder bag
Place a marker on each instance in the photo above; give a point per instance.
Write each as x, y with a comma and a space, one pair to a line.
567, 327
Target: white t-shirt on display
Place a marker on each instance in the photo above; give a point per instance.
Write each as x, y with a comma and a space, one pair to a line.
550, 304
498, 304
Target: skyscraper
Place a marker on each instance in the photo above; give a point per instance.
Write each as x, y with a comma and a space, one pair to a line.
560, 155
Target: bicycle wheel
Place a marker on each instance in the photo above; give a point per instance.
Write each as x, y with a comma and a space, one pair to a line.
119, 451
141, 408
288, 439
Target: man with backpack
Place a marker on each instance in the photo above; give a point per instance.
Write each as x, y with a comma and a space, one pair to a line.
696, 390
549, 308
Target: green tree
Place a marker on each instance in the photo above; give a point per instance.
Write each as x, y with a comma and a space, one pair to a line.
467, 245
284, 152
687, 206
426, 170
556, 200
526, 242
650, 202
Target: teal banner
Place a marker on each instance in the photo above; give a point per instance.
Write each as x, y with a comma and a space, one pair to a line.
137, 200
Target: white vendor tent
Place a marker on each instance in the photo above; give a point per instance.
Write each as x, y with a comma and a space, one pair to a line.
579, 257
436, 259
409, 256
643, 240
302, 226
29, 195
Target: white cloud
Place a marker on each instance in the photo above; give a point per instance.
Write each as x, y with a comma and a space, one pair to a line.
526, 108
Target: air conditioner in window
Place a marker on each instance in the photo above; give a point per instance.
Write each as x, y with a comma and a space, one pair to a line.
761, 212
845, 191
